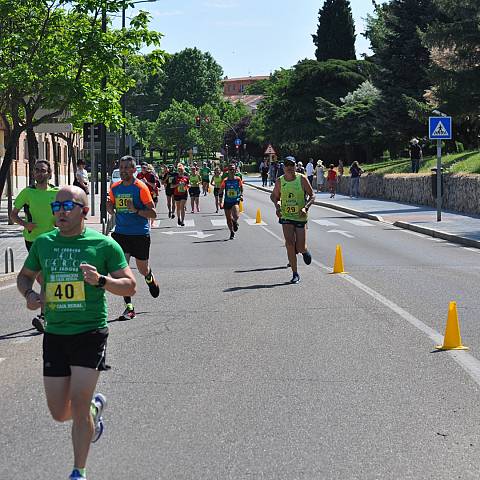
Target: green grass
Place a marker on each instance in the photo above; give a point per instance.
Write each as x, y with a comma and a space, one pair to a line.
465, 162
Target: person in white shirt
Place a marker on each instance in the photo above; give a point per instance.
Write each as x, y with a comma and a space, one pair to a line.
81, 177
309, 169
320, 176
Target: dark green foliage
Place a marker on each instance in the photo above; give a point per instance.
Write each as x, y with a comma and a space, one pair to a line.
335, 37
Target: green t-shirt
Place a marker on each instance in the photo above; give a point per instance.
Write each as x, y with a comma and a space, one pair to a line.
195, 180
217, 181
71, 305
205, 173
292, 198
36, 203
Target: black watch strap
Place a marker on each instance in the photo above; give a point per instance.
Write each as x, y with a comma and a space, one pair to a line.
101, 282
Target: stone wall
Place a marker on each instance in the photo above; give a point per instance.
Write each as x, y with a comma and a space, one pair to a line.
461, 191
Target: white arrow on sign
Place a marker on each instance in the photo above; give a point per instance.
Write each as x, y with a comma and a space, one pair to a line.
191, 234
341, 232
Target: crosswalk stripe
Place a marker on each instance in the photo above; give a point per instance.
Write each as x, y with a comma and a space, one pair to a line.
359, 223
325, 223
219, 222
189, 223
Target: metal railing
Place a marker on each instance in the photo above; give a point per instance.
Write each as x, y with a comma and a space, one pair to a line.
9, 253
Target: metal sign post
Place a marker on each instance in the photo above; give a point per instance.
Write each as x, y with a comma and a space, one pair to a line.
439, 128
93, 170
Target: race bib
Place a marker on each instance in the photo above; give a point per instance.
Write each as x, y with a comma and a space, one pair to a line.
65, 295
231, 193
121, 202
292, 209
181, 188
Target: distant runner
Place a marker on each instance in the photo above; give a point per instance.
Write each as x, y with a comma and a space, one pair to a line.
216, 183
180, 193
205, 173
194, 190
232, 188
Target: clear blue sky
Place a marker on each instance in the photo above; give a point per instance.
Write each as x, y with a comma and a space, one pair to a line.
246, 37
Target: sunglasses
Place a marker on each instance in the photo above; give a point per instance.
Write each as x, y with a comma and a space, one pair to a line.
68, 206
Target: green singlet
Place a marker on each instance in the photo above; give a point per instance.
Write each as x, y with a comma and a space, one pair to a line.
217, 181
195, 180
292, 197
71, 305
205, 173
36, 203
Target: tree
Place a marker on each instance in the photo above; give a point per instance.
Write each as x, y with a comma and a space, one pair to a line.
403, 65
335, 37
191, 76
52, 58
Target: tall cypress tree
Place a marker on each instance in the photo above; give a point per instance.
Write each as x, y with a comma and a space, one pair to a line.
335, 37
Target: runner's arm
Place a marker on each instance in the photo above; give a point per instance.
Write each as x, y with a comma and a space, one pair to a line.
275, 197
120, 282
307, 188
25, 281
16, 219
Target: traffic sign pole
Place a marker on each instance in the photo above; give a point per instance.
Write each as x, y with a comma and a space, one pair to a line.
439, 180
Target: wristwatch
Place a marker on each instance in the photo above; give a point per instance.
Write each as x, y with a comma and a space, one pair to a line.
101, 282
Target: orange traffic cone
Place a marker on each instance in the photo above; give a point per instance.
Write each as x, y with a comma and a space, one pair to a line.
452, 339
338, 264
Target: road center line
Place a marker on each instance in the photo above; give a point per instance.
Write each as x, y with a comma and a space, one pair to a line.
466, 360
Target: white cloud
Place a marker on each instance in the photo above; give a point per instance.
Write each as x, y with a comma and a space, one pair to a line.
171, 13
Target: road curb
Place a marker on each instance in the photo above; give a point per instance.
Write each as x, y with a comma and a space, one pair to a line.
5, 277
399, 224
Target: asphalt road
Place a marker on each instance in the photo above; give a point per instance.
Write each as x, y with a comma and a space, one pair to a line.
233, 373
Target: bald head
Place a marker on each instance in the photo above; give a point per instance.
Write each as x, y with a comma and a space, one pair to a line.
70, 192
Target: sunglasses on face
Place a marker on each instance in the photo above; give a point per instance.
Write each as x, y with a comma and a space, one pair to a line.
68, 206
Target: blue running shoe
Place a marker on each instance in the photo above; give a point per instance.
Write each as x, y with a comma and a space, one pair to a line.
76, 475
99, 402
295, 278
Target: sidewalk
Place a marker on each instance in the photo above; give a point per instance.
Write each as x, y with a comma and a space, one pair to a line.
454, 227
11, 237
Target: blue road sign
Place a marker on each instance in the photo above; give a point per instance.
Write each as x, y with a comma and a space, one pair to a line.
440, 128
238, 142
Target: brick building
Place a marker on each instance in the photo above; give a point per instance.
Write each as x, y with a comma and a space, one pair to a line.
237, 86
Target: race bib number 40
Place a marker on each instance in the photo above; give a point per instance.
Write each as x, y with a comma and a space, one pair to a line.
65, 295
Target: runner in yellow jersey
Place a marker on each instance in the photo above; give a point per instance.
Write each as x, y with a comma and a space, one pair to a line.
292, 196
194, 190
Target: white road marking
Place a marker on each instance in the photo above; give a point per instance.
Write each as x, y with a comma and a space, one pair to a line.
466, 360
189, 223
416, 234
342, 232
252, 221
219, 223
325, 223
19, 341
360, 223
8, 286
475, 250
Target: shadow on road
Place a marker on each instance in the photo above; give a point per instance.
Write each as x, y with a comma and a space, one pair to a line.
256, 287
30, 332
269, 269
214, 241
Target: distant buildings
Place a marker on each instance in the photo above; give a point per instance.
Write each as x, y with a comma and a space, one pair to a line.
234, 91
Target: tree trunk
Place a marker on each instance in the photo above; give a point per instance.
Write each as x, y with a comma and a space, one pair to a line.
32, 153
55, 160
10, 151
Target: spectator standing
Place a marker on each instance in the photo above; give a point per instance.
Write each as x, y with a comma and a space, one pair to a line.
281, 170
309, 169
264, 168
332, 180
355, 173
320, 176
416, 154
300, 168
81, 177
272, 171
340, 170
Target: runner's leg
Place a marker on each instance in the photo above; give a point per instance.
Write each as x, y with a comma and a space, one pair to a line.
290, 243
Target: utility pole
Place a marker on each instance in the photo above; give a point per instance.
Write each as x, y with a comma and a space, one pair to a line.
103, 138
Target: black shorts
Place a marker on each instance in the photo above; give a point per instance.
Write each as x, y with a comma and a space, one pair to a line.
168, 192
285, 221
216, 191
28, 245
194, 191
137, 246
179, 198
60, 352
229, 206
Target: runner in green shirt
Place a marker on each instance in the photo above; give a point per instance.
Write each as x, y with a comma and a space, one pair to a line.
205, 174
74, 262
194, 190
35, 201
